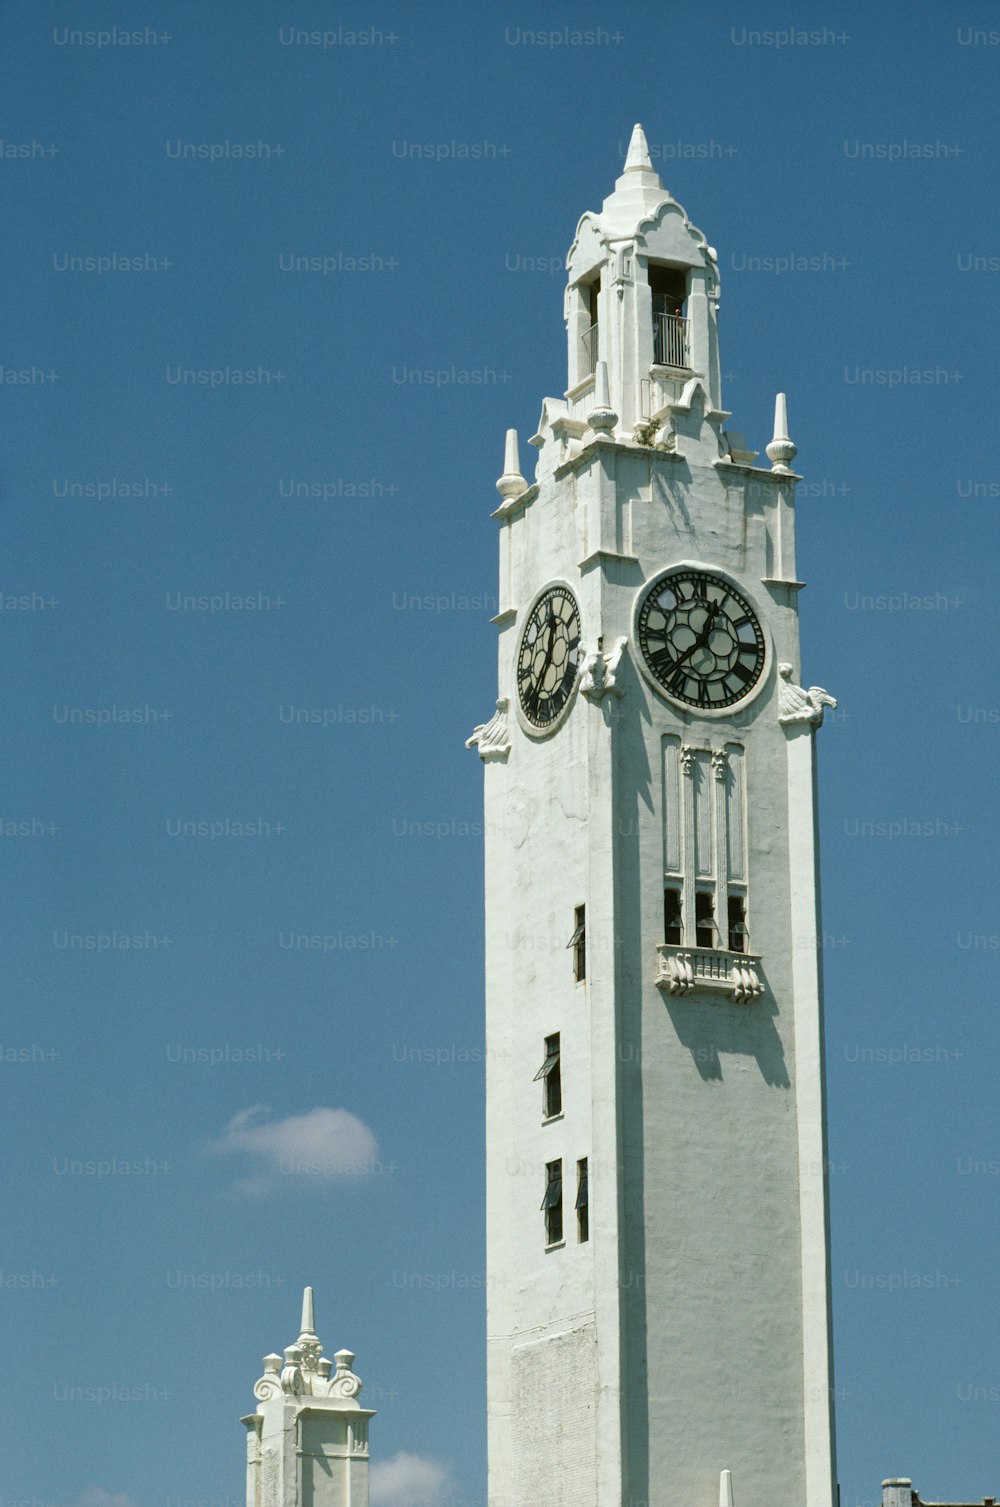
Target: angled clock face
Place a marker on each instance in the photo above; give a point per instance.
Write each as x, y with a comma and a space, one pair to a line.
549, 657
700, 639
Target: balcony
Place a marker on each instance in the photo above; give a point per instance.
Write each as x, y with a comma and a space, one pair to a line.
671, 342
682, 970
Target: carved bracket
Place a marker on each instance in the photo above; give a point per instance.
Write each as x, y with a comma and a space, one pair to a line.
492, 738
796, 704
599, 672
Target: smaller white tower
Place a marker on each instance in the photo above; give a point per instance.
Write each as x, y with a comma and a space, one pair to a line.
307, 1445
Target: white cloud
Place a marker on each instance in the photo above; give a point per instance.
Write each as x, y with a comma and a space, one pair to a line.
96, 1496
406, 1480
321, 1144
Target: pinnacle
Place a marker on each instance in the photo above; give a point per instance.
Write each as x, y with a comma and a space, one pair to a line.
638, 158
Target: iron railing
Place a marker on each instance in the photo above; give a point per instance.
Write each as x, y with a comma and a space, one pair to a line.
670, 340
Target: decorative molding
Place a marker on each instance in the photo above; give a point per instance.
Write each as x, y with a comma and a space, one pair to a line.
720, 763
684, 970
492, 738
599, 672
513, 505
602, 556
688, 757
796, 704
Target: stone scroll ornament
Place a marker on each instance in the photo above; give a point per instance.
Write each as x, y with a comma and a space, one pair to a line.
796, 704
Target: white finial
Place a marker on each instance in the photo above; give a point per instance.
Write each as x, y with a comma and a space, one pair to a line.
638, 158
781, 450
726, 1488
308, 1314
511, 483
602, 417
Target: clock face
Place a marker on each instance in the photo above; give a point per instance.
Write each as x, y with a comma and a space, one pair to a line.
700, 639
549, 656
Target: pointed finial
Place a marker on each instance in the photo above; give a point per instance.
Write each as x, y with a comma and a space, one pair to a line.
638, 159
781, 450
602, 417
726, 1488
308, 1315
511, 483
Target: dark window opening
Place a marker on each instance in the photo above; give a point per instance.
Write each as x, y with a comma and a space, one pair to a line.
668, 286
550, 1074
704, 920
738, 934
578, 942
673, 925
582, 1201
552, 1203
591, 292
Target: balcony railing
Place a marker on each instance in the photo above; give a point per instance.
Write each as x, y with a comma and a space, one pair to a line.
682, 970
670, 340
589, 339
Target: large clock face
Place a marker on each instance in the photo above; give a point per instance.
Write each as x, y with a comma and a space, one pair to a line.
700, 639
548, 658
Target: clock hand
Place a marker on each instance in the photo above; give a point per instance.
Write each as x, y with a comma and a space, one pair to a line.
548, 647
700, 641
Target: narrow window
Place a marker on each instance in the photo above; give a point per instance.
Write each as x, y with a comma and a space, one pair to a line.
578, 942
673, 929
737, 924
552, 1203
550, 1075
590, 292
704, 920
582, 1201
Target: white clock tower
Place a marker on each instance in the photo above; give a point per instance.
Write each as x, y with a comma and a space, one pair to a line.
657, 1256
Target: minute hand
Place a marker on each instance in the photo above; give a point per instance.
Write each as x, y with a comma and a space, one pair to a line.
700, 641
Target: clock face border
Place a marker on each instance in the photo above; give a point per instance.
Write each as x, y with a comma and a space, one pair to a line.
531, 728
680, 567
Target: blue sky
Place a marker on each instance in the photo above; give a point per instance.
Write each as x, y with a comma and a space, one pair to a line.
331, 512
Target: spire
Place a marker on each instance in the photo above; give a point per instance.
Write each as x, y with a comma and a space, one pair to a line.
725, 1488
308, 1316
638, 158
781, 450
